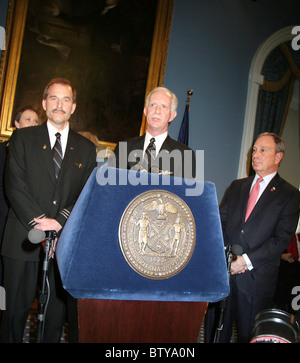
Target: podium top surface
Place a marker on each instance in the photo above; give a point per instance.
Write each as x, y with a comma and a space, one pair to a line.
93, 265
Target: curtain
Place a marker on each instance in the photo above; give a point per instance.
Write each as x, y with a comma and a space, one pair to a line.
280, 70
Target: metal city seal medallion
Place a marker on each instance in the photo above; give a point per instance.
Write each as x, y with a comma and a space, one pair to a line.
157, 234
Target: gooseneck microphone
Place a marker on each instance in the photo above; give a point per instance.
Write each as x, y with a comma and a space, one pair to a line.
36, 236
231, 250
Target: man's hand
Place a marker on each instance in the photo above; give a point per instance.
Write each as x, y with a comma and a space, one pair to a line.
238, 266
287, 257
48, 224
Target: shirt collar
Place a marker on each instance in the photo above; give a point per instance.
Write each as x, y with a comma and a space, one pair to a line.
64, 135
266, 178
159, 140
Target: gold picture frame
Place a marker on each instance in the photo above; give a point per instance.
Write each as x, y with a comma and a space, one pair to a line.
10, 59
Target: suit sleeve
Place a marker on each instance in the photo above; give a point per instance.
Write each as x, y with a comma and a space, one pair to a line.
18, 192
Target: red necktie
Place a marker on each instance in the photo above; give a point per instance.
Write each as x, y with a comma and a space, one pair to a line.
253, 197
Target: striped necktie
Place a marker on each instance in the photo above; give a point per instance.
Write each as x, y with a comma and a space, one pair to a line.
150, 153
57, 154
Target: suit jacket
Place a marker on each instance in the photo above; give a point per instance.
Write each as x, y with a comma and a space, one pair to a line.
3, 199
32, 189
174, 166
267, 232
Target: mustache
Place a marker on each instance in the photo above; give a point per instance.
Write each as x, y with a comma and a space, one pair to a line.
58, 110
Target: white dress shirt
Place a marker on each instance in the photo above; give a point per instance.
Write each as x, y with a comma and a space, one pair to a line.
64, 136
263, 184
159, 140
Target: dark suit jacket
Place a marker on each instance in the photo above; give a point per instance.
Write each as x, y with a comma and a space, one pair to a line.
3, 199
32, 189
267, 232
171, 158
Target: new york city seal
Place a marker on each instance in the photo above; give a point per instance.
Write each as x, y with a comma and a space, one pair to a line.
157, 234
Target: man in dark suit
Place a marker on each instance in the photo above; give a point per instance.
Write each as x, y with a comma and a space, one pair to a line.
166, 156
25, 117
41, 198
263, 235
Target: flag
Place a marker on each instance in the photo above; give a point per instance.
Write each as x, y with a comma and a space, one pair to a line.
183, 135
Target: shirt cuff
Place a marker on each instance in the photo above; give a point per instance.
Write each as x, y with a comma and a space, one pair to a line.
248, 262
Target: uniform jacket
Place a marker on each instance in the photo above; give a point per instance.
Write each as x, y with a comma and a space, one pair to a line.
3, 198
267, 232
32, 189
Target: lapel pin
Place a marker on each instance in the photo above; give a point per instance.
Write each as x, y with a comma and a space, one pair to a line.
45, 147
272, 189
79, 165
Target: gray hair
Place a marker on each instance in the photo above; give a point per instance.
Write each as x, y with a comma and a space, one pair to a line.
280, 145
174, 99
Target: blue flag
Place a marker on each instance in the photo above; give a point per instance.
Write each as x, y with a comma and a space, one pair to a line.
183, 135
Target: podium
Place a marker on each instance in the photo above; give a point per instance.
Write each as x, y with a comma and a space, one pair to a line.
118, 303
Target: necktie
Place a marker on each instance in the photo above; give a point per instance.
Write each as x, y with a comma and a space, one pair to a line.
57, 154
150, 153
253, 197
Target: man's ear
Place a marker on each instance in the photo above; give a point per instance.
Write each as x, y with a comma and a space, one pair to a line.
73, 108
278, 158
173, 115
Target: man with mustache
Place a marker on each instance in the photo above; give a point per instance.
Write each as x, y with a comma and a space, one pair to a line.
42, 186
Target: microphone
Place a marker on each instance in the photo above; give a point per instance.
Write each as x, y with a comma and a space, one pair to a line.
232, 251
138, 167
237, 250
36, 236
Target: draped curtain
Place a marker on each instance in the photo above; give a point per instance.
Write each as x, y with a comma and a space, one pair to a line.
280, 70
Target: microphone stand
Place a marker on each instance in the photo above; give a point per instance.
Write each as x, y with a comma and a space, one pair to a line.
44, 294
223, 303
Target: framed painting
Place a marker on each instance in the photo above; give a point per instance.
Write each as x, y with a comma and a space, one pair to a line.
113, 51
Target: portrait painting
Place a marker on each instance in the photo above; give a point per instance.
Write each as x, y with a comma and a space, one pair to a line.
106, 48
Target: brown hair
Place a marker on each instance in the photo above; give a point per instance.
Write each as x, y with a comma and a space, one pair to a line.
19, 113
63, 81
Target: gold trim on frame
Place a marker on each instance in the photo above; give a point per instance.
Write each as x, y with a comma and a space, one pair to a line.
10, 58
159, 50
16, 20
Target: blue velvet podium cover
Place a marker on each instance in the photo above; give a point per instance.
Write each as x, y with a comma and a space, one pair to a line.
91, 262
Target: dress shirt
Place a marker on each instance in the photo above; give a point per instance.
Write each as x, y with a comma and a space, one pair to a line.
263, 184
64, 136
159, 140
